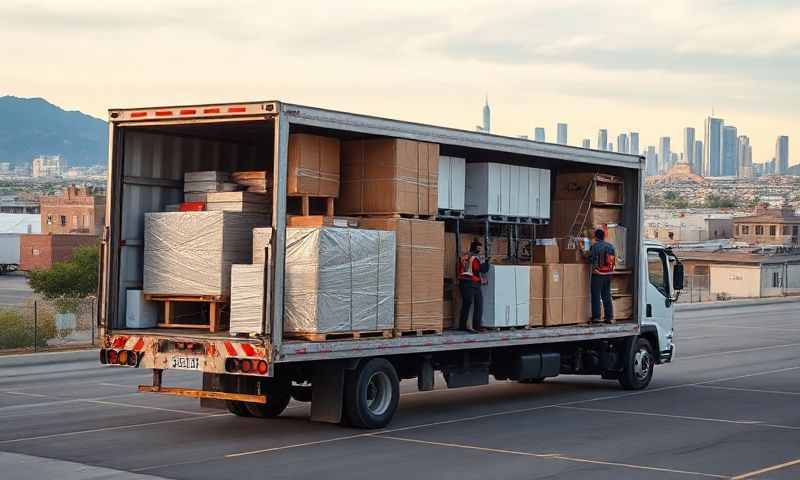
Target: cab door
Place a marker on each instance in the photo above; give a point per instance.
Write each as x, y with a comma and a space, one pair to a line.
658, 297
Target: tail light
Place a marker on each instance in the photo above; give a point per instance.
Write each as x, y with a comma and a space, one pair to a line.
262, 367
112, 356
247, 365
232, 365
122, 357
133, 359
103, 356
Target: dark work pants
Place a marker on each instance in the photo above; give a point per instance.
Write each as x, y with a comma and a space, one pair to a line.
601, 290
470, 296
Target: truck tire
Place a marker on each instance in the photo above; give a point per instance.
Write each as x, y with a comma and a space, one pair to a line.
237, 408
532, 380
278, 394
372, 393
638, 369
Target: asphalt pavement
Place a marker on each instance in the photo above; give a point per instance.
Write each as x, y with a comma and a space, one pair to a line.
726, 408
14, 289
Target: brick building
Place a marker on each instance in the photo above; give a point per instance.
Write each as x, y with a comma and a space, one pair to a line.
77, 210
769, 226
38, 251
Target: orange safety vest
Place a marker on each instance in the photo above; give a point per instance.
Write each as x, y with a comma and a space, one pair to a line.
466, 270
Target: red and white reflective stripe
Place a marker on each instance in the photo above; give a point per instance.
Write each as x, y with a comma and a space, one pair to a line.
240, 349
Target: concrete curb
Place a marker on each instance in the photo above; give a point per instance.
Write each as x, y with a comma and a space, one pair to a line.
45, 358
688, 307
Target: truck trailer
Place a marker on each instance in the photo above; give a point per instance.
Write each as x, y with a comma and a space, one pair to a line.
354, 380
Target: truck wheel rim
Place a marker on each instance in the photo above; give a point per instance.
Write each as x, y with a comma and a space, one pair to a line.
379, 393
642, 364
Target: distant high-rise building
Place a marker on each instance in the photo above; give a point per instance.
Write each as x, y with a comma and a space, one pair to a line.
688, 146
622, 143
48, 166
712, 161
745, 156
602, 139
664, 154
538, 134
634, 144
730, 152
697, 168
651, 161
487, 116
586, 143
674, 159
782, 154
561, 133
610, 147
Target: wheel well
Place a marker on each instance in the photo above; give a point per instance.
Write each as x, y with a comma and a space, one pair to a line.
651, 335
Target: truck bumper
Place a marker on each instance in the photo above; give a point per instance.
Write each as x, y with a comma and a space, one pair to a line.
224, 356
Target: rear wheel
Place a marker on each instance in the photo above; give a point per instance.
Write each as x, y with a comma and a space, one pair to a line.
237, 408
278, 394
372, 393
638, 370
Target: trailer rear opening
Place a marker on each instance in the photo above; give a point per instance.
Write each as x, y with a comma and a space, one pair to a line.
281, 161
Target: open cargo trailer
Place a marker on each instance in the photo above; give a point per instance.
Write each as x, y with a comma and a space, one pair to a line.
151, 149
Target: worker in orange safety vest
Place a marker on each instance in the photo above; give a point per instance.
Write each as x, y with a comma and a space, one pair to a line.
470, 278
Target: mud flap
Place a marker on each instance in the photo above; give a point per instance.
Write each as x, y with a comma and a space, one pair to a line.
327, 393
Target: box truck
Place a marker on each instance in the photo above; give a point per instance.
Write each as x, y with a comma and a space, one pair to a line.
353, 380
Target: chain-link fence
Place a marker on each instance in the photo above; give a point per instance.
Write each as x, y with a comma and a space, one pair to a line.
38, 325
697, 289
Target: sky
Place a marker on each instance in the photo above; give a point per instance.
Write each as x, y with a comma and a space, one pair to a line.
652, 67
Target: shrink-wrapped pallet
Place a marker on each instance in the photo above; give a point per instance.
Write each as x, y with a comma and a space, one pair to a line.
339, 280
191, 253
247, 300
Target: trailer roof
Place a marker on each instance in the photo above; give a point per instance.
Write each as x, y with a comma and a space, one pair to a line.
373, 125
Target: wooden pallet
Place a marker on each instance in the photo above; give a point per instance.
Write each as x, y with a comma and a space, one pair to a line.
305, 201
412, 216
419, 332
214, 305
499, 329
332, 336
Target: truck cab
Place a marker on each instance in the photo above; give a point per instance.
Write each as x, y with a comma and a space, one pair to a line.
662, 278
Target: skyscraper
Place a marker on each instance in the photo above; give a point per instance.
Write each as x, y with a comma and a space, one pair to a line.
487, 116
713, 147
622, 143
651, 161
688, 146
634, 144
610, 147
561, 133
538, 134
782, 154
602, 139
745, 157
697, 168
730, 152
664, 154
586, 143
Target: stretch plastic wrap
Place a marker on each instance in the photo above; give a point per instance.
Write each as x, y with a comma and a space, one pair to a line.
191, 253
247, 299
339, 280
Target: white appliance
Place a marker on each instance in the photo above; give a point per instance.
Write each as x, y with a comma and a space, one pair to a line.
506, 296
509, 190
139, 313
539, 193
452, 171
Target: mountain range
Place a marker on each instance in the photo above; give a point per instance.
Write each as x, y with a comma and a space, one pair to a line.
33, 126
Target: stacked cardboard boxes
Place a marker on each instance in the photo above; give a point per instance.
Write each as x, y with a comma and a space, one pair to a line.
605, 192
314, 166
577, 294
238, 202
389, 176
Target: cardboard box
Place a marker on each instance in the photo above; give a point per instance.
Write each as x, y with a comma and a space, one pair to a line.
419, 270
537, 296
261, 238
546, 253
553, 294
566, 211
577, 294
621, 282
498, 250
573, 186
247, 300
384, 176
623, 307
314, 165
253, 181
321, 221
570, 251
239, 202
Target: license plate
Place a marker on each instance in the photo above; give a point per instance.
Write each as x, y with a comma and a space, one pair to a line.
185, 363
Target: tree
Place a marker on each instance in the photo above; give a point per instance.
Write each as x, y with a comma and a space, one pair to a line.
67, 282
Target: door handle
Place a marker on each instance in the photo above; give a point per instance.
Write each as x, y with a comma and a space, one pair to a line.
649, 311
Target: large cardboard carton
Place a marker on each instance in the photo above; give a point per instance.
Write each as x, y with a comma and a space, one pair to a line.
572, 186
553, 294
623, 307
571, 251
419, 271
537, 296
546, 253
566, 211
384, 176
314, 165
621, 282
577, 295
239, 202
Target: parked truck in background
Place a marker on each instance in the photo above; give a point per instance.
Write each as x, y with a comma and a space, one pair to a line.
352, 380
9, 252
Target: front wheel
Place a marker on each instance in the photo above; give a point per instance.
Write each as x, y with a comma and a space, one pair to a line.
372, 393
638, 370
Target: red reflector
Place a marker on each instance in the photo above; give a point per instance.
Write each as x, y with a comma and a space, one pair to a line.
112, 356
138, 114
262, 367
192, 207
163, 113
189, 111
211, 110
237, 109
247, 365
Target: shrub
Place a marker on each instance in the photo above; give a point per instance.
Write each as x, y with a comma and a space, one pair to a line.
16, 329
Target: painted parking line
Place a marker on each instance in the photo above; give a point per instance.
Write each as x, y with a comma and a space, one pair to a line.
764, 470
24, 394
753, 390
553, 456
667, 415
744, 350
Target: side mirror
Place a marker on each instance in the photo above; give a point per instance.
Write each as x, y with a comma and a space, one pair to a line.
677, 276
